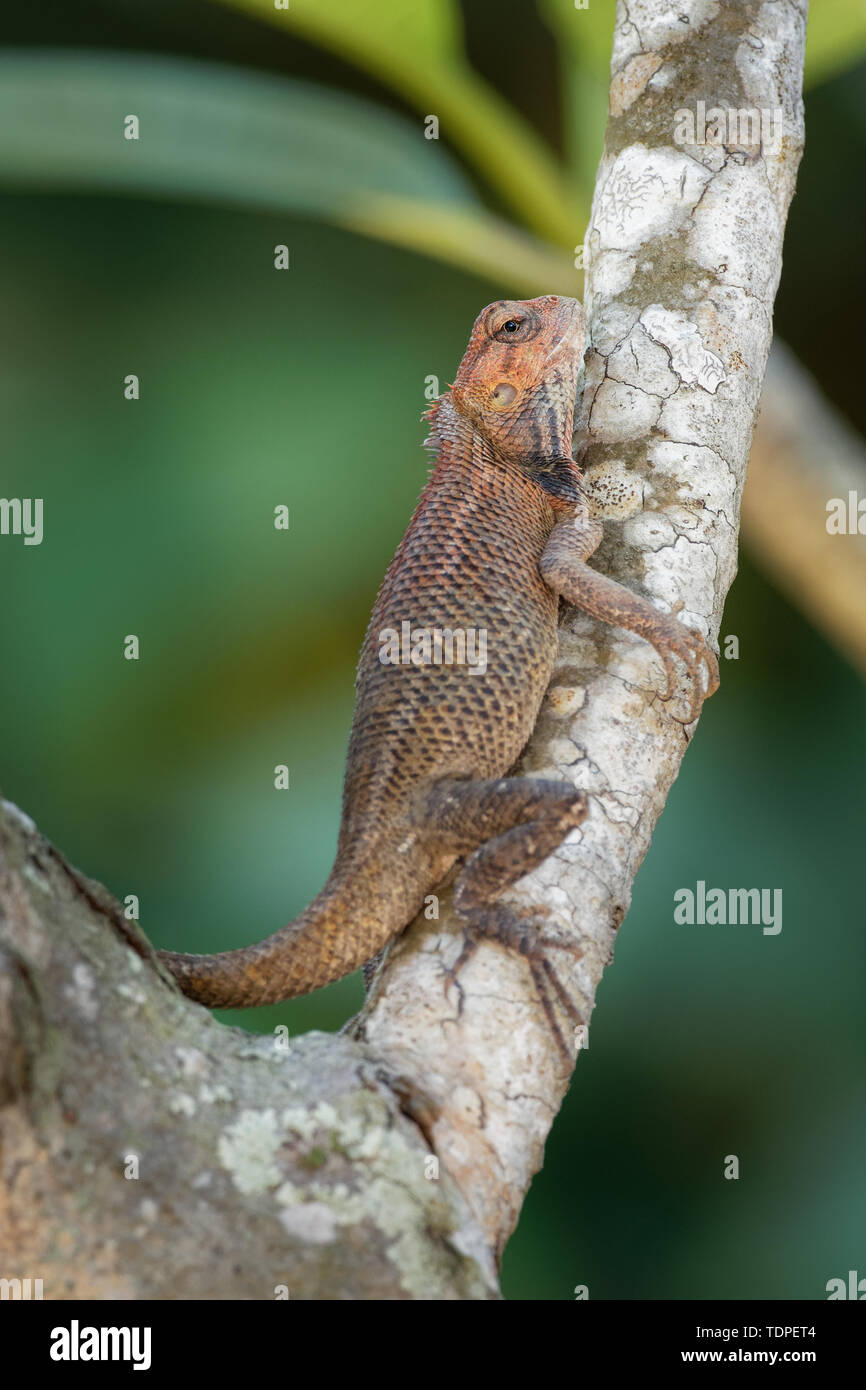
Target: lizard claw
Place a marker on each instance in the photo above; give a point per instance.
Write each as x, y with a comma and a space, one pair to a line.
521, 929
675, 640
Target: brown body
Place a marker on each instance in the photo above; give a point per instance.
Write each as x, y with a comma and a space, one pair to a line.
432, 741
468, 563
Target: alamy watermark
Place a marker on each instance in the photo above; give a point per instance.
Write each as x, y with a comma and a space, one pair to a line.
732, 907
846, 516
22, 516
434, 646
853, 1287
77, 1343
745, 126
20, 1289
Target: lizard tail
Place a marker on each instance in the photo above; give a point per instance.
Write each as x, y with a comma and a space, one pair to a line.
328, 940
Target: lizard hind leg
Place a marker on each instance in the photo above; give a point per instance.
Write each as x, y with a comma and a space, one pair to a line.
511, 826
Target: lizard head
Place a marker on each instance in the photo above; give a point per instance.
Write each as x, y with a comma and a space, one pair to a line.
517, 383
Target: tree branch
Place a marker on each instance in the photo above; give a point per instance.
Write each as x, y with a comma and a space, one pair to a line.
147, 1151
803, 455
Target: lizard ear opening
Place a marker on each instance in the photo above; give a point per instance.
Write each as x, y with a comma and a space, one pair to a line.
503, 395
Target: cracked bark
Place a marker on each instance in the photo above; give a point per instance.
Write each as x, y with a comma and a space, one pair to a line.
311, 1168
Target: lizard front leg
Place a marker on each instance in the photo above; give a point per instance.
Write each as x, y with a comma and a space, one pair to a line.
563, 566
510, 826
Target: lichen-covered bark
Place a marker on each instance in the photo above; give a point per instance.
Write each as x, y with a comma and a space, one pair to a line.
308, 1169
147, 1151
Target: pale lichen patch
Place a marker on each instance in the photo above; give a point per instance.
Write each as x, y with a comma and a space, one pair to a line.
214, 1095
181, 1104
134, 993
248, 1150
693, 363
313, 1222
81, 989
192, 1061
646, 193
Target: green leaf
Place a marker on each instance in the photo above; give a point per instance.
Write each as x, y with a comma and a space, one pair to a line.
473, 241
216, 133
835, 38
587, 33
206, 130
416, 49
584, 38
374, 31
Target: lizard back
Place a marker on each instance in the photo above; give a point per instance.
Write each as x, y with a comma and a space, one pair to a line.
467, 567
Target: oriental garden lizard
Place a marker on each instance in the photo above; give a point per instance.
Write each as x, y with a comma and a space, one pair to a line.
501, 531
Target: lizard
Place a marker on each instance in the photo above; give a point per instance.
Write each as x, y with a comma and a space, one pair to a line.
501, 533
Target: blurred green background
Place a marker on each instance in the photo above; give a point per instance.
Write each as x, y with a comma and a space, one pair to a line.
305, 387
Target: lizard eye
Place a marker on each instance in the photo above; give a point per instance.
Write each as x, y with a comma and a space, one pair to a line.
516, 328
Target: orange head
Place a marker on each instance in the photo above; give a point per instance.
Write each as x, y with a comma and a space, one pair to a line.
517, 382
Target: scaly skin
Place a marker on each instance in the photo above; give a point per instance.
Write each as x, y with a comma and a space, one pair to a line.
500, 532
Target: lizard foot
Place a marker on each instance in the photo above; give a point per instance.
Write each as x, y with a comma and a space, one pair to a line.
563, 566
672, 639
512, 825
517, 929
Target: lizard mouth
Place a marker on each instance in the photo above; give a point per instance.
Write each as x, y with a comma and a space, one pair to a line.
571, 326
